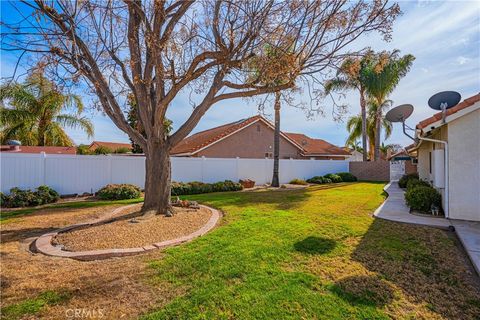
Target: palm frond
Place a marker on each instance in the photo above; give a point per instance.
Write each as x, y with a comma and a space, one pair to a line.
75, 122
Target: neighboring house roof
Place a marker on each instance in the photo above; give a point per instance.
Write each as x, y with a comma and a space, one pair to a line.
201, 140
111, 145
313, 147
36, 149
459, 107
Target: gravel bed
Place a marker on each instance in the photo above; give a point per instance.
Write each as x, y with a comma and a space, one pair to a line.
125, 234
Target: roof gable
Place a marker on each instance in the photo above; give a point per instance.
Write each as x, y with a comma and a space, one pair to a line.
204, 139
438, 116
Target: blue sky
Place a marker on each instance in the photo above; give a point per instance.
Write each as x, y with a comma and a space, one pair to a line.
443, 36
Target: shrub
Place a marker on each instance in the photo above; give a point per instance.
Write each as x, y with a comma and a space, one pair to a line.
347, 177
122, 150
83, 149
316, 180
414, 183
402, 183
119, 192
3, 199
298, 181
47, 194
102, 150
27, 198
333, 177
196, 187
327, 180
422, 198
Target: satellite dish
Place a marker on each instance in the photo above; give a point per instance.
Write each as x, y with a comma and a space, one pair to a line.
444, 100
399, 113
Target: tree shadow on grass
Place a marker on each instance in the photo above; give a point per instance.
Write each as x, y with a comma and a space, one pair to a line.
282, 199
365, 290
427, 264
315, 245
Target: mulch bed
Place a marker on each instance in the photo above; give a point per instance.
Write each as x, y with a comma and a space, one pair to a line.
123, 233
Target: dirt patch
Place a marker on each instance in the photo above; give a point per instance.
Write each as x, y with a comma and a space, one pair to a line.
120, 288
125, 234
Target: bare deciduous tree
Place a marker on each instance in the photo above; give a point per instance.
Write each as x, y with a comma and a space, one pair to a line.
158, 49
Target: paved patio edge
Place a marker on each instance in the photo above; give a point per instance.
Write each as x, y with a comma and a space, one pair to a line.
43, 244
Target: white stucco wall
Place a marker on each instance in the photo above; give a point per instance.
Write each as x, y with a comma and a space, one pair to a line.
464, 165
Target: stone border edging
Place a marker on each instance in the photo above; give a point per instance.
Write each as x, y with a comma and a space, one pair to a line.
43, 244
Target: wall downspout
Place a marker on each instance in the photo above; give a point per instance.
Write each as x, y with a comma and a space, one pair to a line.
447, 180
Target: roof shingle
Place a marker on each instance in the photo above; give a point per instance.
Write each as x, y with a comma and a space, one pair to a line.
438, 116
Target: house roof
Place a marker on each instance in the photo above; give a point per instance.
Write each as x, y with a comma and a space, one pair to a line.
438, 116
37, 149
313, 146
111, 145
203, 139
404, 151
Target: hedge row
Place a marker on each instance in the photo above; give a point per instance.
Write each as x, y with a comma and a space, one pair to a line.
196, 187
119, 192
420, 195
333, 178
27, 198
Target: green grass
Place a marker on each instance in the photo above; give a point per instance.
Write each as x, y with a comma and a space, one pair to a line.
33, 306
312, 254
6, 216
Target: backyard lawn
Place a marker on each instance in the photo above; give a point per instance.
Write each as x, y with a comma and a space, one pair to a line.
314, 253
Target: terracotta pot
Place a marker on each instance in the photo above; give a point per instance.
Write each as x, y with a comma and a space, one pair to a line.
247, 183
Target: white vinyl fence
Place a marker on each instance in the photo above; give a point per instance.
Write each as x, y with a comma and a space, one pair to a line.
70, 174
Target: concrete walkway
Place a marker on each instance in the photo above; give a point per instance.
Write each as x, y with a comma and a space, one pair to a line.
395, 209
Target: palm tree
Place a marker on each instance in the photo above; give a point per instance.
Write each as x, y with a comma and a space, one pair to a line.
34, 114
354, 126
277, 65
381, 77
351, 76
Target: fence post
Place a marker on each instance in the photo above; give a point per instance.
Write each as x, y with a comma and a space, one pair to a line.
237, 167
202, 168
109, 168
44, 168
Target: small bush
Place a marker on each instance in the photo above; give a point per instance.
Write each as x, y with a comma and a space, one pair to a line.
102, 150
316, 180
27, 198
414, 183
422, 198
119, 192
334, 177
122, 150
83, 149
402, 183
347, 177
196, 187
299, 182
327, 180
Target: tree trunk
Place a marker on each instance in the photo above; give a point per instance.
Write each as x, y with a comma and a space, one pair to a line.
378, 128
364, 125
157, 180
41, 133
276, 142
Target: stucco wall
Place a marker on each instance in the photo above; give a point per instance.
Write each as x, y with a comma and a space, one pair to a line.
252, 142
464, 160
426, 147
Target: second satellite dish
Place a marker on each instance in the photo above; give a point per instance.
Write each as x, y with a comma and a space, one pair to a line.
399, 113
444, 100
